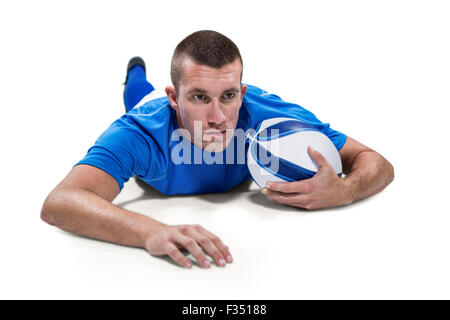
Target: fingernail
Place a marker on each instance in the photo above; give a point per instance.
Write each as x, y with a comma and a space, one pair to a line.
206, 263
221, 262
269, 185
229, 258
264, 190
188, 264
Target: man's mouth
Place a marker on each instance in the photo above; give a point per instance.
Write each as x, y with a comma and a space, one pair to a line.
215, 132
212, 135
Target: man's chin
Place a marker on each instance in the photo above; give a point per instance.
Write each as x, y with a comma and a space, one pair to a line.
216, 146
219, 144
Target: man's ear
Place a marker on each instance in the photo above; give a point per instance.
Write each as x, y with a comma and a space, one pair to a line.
243, 91
172, 95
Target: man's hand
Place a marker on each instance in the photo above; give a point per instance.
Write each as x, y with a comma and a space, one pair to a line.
170, 239
81, 204
326, 189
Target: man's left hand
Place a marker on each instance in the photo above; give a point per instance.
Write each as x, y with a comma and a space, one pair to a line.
326, 189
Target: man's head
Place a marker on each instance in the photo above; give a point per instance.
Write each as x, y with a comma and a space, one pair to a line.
206, 72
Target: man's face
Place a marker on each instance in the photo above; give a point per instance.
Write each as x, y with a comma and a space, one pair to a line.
207, 103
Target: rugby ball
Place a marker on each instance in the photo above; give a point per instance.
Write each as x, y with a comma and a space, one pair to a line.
278, 151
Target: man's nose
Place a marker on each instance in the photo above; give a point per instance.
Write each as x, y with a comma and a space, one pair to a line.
216, 114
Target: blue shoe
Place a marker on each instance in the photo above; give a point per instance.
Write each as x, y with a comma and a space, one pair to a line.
136, 84
135, 61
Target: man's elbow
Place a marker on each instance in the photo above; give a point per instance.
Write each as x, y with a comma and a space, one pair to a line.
385, 169
390, 172
49, 211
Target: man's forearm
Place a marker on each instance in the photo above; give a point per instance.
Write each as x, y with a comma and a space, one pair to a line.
83, 212
369, 174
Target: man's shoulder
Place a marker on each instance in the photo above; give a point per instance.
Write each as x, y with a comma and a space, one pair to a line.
252, 89
150, 122
153, 107
154, 115
261, 105
257, 94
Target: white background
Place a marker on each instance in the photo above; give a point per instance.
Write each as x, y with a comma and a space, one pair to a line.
378, 71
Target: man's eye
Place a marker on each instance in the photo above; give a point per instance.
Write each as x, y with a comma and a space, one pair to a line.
199, 97
228, 96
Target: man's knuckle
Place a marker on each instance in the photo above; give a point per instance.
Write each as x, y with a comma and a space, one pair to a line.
172, 251
164, 239
215, 239
166, 244
189, 242
204, 241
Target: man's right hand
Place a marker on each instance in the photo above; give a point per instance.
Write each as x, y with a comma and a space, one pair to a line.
170, 239
81, 204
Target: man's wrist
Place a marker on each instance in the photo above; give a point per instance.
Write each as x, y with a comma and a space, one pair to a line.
148, 227
349, 187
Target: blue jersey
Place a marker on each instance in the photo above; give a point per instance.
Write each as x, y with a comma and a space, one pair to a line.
143, 141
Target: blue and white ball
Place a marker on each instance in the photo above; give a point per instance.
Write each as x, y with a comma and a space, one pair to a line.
278, 151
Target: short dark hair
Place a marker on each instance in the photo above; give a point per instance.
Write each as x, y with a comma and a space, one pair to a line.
204, 47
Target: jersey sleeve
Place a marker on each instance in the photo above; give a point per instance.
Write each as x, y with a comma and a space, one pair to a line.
338, 138
262, 105
121, 152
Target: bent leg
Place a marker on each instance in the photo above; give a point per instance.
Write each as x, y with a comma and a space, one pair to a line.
137, 87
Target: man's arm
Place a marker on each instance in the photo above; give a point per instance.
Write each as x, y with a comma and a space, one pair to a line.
367, 173
81, 204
